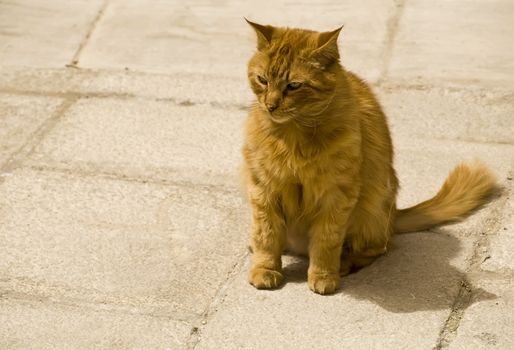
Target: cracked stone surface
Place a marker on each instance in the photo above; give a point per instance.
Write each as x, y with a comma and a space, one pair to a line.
43, 33
122, 222
500, 255
487, 324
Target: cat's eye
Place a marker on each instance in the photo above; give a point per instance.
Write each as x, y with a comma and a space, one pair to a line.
294, 85
262, 80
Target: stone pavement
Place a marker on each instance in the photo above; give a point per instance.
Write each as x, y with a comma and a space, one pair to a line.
122, 225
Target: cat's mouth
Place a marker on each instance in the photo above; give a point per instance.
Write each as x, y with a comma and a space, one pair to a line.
279, 119
278, 116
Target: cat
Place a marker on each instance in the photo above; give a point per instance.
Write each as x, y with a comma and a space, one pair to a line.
318, 164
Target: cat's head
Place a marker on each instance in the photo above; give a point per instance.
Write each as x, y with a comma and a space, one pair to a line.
293, 72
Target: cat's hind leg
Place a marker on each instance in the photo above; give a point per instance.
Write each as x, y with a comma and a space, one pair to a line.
327, 233
352, 262
368, 235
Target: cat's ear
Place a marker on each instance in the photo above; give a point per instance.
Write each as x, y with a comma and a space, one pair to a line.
327, 51
264, 34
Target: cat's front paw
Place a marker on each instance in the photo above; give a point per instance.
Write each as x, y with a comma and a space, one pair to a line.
323, 283
262, 278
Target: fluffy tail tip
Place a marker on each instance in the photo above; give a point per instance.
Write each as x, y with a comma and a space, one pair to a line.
466, 188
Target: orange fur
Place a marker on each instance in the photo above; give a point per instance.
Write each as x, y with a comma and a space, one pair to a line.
318, 164
466, 188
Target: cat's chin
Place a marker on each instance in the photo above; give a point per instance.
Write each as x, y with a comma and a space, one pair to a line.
277, 119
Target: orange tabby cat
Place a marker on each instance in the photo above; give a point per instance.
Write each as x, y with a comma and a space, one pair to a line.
318, 164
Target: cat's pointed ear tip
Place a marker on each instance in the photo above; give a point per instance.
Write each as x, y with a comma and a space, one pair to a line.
338, 29
264, 33
253, 24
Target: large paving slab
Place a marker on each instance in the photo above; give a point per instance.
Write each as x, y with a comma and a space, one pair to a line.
41, 325
20, 117
476, 115
212, 36
43, 33
157, 139
488, 322
158, 250
462, 41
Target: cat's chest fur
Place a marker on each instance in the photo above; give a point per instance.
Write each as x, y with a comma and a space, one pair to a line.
299, 175
289, 164
301, 171
300, 159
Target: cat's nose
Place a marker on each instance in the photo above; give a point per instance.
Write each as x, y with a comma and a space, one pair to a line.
271, 106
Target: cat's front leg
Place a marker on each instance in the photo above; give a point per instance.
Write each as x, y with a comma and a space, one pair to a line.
327, 233
268, 238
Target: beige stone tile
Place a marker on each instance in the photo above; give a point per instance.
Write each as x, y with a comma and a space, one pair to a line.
475, 115
134, 137
463, 42
162, 250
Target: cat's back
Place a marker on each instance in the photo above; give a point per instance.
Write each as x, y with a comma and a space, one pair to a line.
377, 147
370, 112
364, 96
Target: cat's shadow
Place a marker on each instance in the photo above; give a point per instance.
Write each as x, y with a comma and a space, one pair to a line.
416, 274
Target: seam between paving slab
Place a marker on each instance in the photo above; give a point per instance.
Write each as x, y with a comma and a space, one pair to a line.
472, 140
385, 85
218, 299
76, 57
219, 105
392, 26
464, 297
68, 94
17, 157
455, 84
452, 323
493, 226
421, 85
122, 96
101, 173
91, 306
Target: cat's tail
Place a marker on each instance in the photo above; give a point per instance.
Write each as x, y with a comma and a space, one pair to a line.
466, 188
